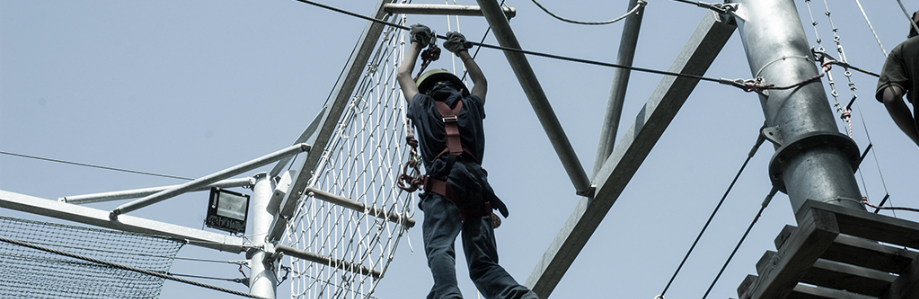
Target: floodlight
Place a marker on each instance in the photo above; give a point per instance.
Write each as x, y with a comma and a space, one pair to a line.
227, 210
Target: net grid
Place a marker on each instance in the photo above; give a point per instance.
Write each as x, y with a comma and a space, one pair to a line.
35, 273
361, 163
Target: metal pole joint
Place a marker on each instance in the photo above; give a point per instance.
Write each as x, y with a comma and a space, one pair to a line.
806, 143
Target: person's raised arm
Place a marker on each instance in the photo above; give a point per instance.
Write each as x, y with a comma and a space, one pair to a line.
404, 76
480, 85
421, 36
457, 44
892, 97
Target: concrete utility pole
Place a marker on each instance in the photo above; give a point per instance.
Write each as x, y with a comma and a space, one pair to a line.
812, 159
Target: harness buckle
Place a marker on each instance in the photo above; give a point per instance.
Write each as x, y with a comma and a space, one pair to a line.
451, 119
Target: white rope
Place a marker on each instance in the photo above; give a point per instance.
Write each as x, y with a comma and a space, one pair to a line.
361, 163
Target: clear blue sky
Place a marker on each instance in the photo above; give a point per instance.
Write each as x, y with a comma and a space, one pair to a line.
190, 88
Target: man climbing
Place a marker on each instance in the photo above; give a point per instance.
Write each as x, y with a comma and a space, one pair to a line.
457, 197
899, 75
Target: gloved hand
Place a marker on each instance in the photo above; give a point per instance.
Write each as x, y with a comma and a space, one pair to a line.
422, 35
456, 42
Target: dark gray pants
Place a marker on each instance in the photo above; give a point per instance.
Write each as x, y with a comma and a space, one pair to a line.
442, 224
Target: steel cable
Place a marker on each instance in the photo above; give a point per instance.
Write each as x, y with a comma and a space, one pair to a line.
97, 166
638, 6
553, 56
744, 237
759, 141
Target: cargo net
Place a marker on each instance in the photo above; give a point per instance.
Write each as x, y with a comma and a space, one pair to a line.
31, 273
362, 163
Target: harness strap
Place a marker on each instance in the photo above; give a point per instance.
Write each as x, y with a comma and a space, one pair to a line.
467, 211
454, 149
454, 143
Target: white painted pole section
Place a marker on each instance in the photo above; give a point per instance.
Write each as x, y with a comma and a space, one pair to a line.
137, 193
212, 178
262, 281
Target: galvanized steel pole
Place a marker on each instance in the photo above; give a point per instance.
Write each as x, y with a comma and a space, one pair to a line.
812, 160
262, 282
627, 44
128, 194
527, 78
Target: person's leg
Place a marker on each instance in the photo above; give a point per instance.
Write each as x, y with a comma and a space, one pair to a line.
482, 258
441, 225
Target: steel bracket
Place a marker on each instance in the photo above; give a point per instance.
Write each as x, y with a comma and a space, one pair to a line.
773, 135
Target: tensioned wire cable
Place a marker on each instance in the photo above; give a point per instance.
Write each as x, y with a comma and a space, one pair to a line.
97, 166
739, 83
553, 56
852, 87
905, 13
871, 27
744, 237
759, 141
474, 55
638, 6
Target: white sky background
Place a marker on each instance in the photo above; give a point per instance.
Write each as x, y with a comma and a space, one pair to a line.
191, 88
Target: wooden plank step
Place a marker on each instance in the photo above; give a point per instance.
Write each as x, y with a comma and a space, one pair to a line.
839, 252
869, 254
860, 252
907, 285
869, 225
800, 250
836, 275
811, 292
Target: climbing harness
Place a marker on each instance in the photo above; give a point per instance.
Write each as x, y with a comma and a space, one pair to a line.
411, 178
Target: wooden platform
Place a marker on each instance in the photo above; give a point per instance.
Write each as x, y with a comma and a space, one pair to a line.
841, 253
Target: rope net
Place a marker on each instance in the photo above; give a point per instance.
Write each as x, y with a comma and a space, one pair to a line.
362, 163
32, 273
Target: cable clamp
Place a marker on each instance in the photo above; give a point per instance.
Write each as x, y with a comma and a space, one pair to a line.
722, 8
748, 85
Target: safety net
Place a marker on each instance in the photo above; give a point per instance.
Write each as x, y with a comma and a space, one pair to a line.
39, 273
